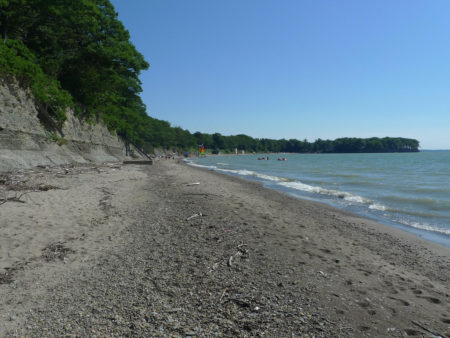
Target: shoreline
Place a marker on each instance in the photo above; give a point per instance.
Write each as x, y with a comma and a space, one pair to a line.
129, 250
373, 223
367, 207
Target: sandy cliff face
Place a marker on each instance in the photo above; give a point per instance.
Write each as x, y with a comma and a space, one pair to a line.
24, 143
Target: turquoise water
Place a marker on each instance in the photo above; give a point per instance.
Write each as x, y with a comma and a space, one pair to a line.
410, 191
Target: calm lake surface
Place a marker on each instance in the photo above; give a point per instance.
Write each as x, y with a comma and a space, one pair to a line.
410, 191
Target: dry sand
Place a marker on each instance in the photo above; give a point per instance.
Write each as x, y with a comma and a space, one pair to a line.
140, 251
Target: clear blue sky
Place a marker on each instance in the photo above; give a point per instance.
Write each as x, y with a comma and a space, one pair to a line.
297, 68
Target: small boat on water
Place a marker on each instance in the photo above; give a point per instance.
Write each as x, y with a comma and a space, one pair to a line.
282, 159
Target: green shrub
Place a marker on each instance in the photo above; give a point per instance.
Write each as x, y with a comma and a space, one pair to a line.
62, 141
51, 136
18, 62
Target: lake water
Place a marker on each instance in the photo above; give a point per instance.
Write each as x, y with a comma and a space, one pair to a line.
410, 191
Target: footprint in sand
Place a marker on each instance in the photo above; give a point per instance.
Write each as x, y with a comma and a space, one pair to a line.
432, 300
413, 332
401, 301
366, 272
364, 328
364, 303
327, 251
427, 284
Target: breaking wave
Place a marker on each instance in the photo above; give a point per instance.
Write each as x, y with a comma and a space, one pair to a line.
424, 226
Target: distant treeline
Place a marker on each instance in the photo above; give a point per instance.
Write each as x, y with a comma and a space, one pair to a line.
78, 54
217, 142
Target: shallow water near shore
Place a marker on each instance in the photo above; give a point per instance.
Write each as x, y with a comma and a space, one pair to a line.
410, 191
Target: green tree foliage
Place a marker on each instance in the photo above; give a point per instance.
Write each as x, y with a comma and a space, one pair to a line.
81, 47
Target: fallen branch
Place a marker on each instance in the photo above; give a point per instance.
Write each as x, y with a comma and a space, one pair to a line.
199, 194
46, 187
13, 199
223, 295
194, 216
428, 330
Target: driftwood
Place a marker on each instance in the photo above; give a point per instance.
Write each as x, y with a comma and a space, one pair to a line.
428, 330
223, 295
194, 216
14, 198
142, 162
46, 187
199, 194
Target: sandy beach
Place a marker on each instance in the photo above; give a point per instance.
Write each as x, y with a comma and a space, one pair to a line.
173, 250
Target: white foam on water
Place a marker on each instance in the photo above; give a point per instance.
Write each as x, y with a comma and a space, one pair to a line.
318, 190
269, 177
355, 198
302, 187
199, 165
221, 163
424, 226
376, 206
361, 200
244, 172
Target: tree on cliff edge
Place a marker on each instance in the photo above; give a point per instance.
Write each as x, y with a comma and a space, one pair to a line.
82, 45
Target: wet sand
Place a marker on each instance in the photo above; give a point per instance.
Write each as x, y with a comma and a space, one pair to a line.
146, 251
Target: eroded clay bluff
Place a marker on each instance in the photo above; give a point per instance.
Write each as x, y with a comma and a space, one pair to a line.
24, 142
